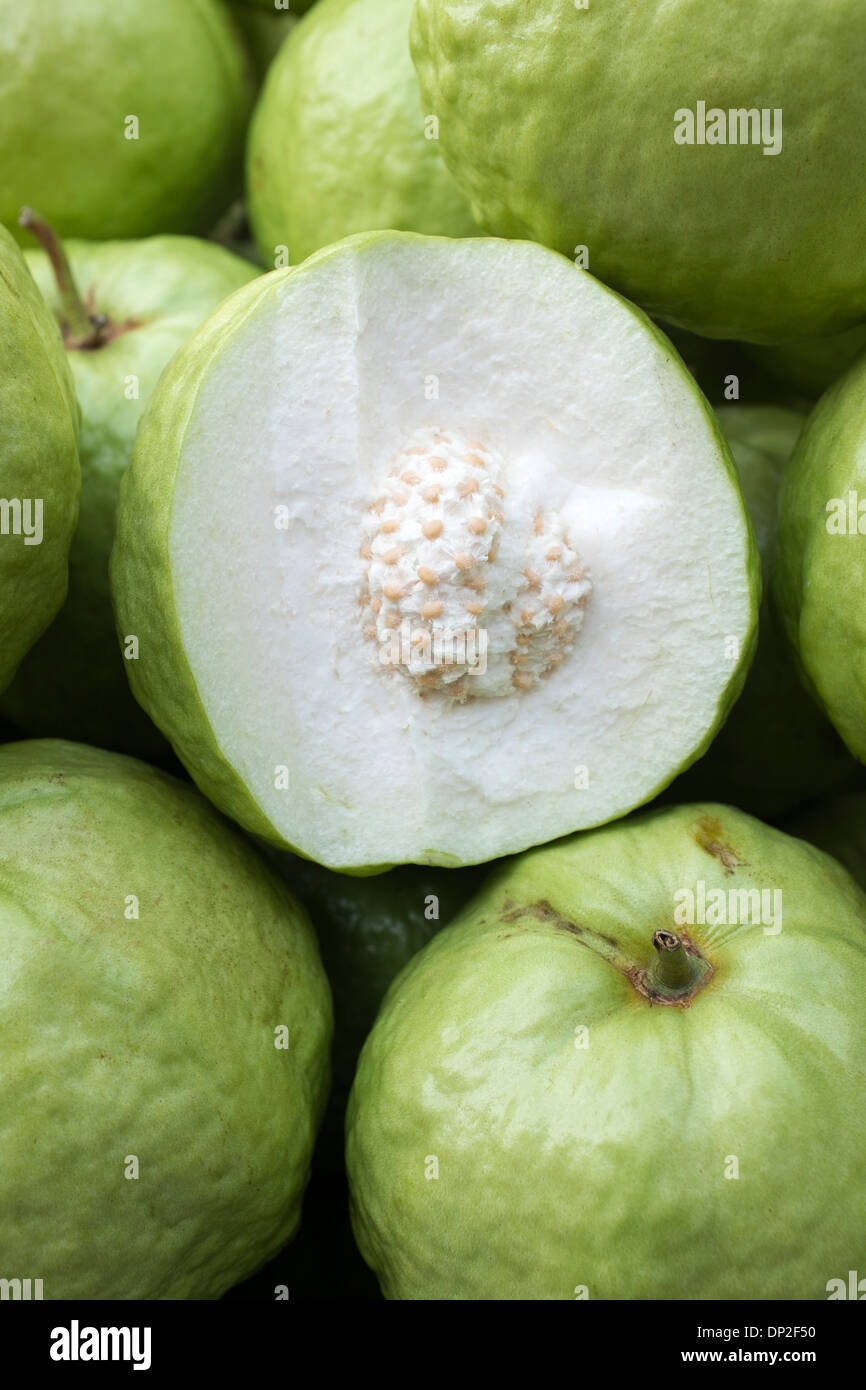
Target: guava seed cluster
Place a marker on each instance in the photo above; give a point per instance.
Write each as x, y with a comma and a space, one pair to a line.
449, 600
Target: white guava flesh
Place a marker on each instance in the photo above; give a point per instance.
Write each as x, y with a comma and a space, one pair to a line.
403, 457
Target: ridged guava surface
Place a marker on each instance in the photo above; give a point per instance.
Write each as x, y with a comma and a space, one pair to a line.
559, 122
537, 1116
166, 1022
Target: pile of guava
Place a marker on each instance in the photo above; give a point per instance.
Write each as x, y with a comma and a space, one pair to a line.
432, 650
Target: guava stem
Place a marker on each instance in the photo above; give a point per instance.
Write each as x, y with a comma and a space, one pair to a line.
82, 330
673, 970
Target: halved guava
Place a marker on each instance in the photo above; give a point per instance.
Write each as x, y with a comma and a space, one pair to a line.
434, 550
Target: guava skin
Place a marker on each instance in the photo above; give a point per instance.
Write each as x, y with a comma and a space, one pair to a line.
38, 459
678, 1148
337, 143
156, 293
558, 123
777, 748
820, 576
177, 65
179, 955
811, 365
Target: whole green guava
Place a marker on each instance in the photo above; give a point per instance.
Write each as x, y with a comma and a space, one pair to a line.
119, 119
338, 141
142, 300
693, 154
820, 575
633, 1068
777, 748
40, 479
166, 1021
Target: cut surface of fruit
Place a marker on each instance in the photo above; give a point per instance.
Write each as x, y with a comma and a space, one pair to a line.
410, 452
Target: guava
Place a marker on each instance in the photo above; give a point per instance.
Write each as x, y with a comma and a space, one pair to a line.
40, 478
338, 142
433, 550
166, 1023
694, 152
119, 119
810, 365
141, 301
633, 1068
820, 575
777, 748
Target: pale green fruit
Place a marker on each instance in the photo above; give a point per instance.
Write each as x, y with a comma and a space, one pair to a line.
338, 145
575, 1088
560, 123
777, 748
73, 77
40, 478
154, 293
156, 1137
405, 439
820, 579
812, 364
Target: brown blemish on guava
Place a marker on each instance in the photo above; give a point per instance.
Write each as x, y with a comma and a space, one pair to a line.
709, 837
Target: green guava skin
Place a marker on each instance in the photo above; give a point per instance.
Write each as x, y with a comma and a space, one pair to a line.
820, 578
148, 1034
777, 748
142, 586
38, 458
811, 365
682, 1153
177, 65
337, 142
558, 122
156, 292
